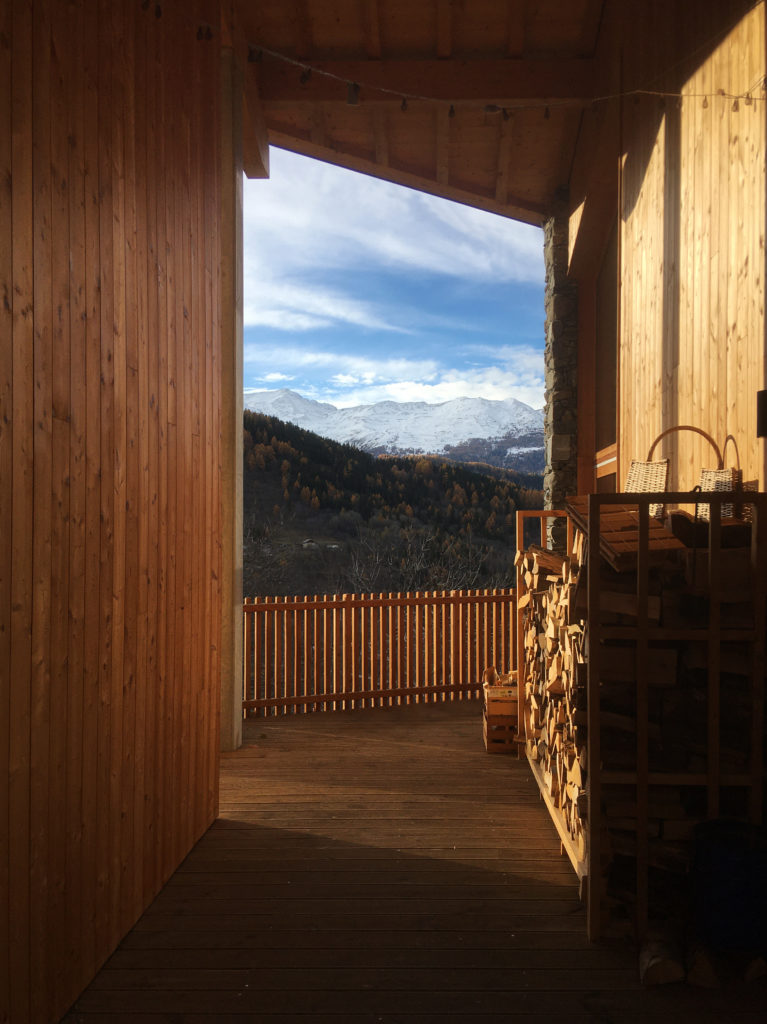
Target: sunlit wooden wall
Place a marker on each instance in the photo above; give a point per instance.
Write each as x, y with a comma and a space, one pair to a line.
692, 233
109, 474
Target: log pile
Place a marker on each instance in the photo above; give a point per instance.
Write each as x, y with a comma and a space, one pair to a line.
554, 682
676, 651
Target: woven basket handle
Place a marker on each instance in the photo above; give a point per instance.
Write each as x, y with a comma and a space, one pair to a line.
735, 446
696, 430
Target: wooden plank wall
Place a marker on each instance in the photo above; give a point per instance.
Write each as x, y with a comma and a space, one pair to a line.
692, 221
109, 474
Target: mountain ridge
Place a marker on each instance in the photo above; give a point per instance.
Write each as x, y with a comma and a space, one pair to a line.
505, 433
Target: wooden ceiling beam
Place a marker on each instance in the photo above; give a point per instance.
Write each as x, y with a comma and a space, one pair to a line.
592, 19
303, 30
381, 137
516, 19
372, 29
255, 136
504, 82
444, 28
443, 146
503, 171
515, 207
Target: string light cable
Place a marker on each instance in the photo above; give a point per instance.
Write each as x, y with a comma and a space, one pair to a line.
353, 87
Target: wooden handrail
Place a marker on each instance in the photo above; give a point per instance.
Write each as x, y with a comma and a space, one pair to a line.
457, 597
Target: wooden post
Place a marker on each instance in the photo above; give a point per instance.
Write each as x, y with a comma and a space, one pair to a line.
642, 711
231, 400
594, 850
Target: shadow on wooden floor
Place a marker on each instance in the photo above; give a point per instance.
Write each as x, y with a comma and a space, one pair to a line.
379, 866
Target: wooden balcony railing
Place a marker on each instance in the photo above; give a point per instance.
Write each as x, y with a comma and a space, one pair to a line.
363, 650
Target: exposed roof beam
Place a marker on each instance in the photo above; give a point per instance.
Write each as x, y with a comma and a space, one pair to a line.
255, 137
504, 159
303, 29
318, 127
504, 82
590, 27
443, 146
444, 28
381, 137
372, 29
516, 18
515, 207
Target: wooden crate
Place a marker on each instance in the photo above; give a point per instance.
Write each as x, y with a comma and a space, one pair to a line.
500, 700
499, 733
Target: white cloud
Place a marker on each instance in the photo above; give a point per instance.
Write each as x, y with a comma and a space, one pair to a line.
312, 226
492, 383
344, 367
296, 307
310, 214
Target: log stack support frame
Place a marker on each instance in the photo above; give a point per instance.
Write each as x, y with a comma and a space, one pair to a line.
640, 646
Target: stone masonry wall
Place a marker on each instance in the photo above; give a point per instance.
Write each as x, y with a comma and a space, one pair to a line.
560, 413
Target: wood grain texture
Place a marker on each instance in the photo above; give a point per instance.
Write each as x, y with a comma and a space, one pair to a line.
384, 658
378, 863
100, 696
692, 302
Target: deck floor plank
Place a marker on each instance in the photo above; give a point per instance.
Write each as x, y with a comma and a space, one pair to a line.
379, 866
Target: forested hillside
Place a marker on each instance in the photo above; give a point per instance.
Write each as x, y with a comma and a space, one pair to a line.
323, 517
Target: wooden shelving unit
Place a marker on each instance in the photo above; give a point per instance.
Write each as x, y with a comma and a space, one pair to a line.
646, 666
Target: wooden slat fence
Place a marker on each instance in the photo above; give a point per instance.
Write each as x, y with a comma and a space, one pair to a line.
338, 652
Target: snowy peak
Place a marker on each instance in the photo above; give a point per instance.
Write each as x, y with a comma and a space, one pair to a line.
504, 433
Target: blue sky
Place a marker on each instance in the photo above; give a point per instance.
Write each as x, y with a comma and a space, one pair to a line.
359, 291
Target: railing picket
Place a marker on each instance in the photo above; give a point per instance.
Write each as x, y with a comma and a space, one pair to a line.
248, 621
485, 631
415, 650
400, 650
381, 648
391, 640
327, 647
314, 675
289, 633
305, 651
434, 642
443, 644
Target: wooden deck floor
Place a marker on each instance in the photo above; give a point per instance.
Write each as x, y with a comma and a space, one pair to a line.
378, 866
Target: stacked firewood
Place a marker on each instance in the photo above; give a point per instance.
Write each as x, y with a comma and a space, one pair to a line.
676, 660
554, 681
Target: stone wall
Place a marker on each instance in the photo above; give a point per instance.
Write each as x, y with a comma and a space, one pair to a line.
560, 413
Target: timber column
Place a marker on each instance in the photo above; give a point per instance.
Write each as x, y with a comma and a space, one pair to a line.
561, 358
231, 399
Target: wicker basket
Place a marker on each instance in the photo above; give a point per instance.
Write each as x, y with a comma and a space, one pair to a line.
649, 476
726, 479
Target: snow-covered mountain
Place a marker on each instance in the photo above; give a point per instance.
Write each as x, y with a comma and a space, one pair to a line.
503, 433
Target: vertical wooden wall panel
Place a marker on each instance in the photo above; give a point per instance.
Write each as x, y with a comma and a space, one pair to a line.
86, 952
6, 470
20, 294
110, 555
6, 473
42, 517
692, 313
